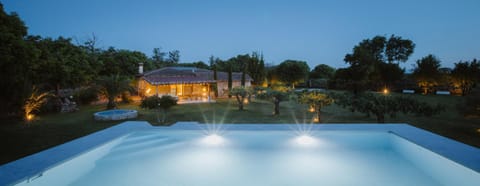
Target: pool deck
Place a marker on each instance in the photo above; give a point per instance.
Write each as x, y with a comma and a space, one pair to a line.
34, 165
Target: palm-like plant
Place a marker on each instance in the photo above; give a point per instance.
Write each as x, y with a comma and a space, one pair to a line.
112, 86
33, 103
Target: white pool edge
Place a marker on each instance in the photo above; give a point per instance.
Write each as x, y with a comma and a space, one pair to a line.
34, 165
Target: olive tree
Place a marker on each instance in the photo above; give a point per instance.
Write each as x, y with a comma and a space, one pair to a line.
316, 100
241, 93
385, 104
275, 95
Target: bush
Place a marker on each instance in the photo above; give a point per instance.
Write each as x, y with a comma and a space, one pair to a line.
165, 102
151, 102
471, 104
86, 95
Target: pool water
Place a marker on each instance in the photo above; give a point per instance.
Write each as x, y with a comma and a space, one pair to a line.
116, 114
243, 157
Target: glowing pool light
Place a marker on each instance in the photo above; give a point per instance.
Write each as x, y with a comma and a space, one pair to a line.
305, 140
213, 139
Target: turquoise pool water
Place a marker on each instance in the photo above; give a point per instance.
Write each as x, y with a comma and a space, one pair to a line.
258, 157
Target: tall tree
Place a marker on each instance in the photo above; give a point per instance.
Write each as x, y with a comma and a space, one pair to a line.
398, 49
16, 57
62, 64
122, 62
230, 80
465, 75
368, 56
322, 71
158, 58
293, 72
112, 86
427, 72
173, 57
256, 68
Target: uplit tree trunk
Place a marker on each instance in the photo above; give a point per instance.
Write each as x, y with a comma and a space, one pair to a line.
319, 109
240, 101
111, 102
229, 82
276, 103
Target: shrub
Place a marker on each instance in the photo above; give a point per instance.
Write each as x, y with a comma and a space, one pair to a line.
86, 95
151, 102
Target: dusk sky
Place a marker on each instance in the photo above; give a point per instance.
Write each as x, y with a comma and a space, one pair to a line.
314, 31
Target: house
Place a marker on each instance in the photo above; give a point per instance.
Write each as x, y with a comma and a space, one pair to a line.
188, 83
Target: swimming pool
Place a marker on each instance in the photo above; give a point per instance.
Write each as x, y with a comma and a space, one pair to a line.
245, 154
116, 114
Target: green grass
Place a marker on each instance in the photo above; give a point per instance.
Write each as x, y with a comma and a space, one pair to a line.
20, 139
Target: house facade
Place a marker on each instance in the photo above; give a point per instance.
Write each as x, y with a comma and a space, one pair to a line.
188, 83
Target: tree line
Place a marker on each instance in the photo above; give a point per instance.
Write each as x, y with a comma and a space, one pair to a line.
30, 63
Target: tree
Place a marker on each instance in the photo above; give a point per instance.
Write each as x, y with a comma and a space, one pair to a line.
241, 93
276, 95
427, 72
16, 58
158, 58
293, 72
390, 73
398, 49
230, 80
380, 105
112, 86
122, 62
465, 75
61, 64
322, 71
317, 101
370, 55
256, 68
163, 103
213, 65
173, 57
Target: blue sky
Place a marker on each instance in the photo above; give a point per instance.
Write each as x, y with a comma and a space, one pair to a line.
319, 32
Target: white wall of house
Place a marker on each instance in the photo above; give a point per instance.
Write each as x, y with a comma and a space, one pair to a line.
222, 87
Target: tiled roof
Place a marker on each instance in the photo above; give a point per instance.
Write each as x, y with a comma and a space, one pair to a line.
178, 75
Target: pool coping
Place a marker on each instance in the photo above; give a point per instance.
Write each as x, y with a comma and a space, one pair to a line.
33, 165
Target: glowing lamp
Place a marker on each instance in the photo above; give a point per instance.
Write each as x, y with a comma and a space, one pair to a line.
311, 109
30, 117
316, 120
385, 91
148, 91
213, 139
305, 140
245, 101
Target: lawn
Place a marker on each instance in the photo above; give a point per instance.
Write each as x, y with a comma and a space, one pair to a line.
20, 139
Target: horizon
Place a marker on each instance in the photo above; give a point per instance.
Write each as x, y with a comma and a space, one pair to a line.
315, 32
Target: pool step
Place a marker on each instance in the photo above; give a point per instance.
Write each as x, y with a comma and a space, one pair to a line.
143, 148
134, 140
138, 145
